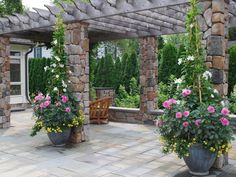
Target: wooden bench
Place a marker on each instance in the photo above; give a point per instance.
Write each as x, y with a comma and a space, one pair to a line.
99, 110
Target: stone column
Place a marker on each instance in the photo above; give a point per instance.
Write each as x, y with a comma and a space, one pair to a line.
148, 76
214, 24
77, 47
4, 83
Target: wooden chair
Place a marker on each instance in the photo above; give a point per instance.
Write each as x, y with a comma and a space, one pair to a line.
99, 110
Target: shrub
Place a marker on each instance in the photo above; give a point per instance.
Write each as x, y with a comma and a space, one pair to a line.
232, 66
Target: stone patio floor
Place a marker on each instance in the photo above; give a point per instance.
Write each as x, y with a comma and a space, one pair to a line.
114, 150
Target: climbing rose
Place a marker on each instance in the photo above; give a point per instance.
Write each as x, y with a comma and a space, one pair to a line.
167, 104
178, 115
68, 109
48, 97
46, 104
197, 122
225, 111
224, 121
211, 109
185, 124
172, 101
39, 97
64, 98
186, 92
186, 113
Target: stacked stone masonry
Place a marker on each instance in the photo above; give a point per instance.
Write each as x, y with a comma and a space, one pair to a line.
148, 76
77, 48
214, 24
4, 83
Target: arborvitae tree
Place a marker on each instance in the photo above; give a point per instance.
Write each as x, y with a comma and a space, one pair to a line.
108, 71
117, 74
134, 88
9, 7
169, 63
232, 66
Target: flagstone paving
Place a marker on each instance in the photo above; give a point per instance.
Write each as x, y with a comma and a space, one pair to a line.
114, 150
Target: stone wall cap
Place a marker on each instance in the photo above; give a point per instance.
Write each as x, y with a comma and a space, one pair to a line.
156, 112
104, 88
124, 109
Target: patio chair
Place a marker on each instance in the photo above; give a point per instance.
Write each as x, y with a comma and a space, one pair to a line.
99, 110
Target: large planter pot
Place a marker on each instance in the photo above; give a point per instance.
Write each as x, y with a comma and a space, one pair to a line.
199, 160
60, 139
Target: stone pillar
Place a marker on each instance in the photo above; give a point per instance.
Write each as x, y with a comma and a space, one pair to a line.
148, 76
5, 108
77, 48
214, 24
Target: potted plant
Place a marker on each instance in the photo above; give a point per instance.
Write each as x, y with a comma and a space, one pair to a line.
195, 123
58, 111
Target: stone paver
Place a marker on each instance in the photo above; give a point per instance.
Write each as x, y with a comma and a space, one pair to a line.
114, 150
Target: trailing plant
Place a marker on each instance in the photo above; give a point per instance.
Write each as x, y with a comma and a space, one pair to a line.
59, 109
196, 113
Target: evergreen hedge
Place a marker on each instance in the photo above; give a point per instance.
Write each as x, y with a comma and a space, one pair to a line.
38, 77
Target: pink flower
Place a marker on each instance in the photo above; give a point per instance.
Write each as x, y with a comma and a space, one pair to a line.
185, 124
224, 121
41, 105
167, 104
225, 111
186, 113
186, 92
48, 98
39, 97
172, 101
46, 104
197, 122
64, 98
159, 123
211, 109
68, 109
178, 115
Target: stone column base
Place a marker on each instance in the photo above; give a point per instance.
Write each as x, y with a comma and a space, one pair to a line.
221, 161
79, 134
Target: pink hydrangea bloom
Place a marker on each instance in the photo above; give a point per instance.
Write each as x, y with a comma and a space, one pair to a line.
224, 121
179, 115
225, 111
211, 109
46, 104
64, 98
185, 124
39, 97
186, 113
197, 122
68, 109
186, 92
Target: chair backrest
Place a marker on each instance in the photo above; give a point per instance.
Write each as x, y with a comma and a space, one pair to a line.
99, 108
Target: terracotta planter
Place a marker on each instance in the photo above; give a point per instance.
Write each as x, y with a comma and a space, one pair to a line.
60, 139
199, 160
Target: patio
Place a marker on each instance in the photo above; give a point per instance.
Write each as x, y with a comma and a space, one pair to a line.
114, 150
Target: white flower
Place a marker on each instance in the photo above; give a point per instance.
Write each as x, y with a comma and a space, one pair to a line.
55, 89
212, 96
45, 68
222, 103
52, 70
57, 58
55, 42
178, 81
61, 65
180, 61
190, 58
54, 65
215, 91
191, 26
177, 102
207, 75
57, 76
64, 84
64, 90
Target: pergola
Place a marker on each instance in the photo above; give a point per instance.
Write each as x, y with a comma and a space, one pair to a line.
102, 20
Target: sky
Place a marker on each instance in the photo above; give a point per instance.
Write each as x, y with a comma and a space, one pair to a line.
35, 3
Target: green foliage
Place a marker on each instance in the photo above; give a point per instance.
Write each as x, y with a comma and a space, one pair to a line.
168, 63
38, 77
233, 100
9, 7
134, 87
232, 66
232, 34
